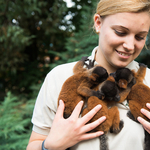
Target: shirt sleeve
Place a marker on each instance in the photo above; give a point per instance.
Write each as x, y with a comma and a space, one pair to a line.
47, 100
147, 77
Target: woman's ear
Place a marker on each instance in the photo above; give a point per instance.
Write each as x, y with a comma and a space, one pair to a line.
97, 22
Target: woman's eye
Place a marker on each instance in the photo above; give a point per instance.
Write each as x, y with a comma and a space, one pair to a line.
139, 37
120, 33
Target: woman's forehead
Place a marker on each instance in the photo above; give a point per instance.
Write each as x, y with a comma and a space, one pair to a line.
130, 20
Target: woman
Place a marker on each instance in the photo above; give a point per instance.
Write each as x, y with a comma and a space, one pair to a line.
123, 27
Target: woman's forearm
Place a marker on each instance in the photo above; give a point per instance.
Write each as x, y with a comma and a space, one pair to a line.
35, 145
60, 137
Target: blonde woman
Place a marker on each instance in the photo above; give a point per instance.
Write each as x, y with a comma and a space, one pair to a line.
122, 26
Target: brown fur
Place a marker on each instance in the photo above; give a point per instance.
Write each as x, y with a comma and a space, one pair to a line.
109, 90
108, 109
125, 80
138, 97
80, 85
112, 115
89, 86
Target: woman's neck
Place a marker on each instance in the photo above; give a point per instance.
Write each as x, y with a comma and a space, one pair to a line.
102, 62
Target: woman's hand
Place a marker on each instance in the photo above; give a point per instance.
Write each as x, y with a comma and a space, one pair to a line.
145, 123
65, 133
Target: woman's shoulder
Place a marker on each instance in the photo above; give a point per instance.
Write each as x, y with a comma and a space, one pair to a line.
65, 66
62, 71
134, 65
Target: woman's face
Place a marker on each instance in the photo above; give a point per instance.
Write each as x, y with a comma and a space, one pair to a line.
122, 36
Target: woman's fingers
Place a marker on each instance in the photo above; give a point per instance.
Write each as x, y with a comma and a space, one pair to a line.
146, 112
73, 129
77, 110
60, 110
148, 105
145, 123
91, 135
90, 114
90, 126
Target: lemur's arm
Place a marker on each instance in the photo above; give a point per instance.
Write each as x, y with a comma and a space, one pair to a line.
140, 74
90, 65
79, 65
85, 91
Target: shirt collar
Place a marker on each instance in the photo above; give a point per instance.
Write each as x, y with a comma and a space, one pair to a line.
92, 57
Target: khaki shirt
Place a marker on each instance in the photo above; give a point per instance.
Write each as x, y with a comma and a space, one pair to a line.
131, 136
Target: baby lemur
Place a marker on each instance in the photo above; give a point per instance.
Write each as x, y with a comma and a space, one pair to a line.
81, 85
137, 98
124, 81
94, 86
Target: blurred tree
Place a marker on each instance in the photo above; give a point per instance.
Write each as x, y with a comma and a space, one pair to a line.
15, 122
35, 36
31, 41
30, 32
28, 29
77, 12
145, 54
84, 39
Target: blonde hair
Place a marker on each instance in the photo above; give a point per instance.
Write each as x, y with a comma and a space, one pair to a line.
110, 7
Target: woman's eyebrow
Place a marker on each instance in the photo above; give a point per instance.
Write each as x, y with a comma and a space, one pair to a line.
120, 26
144, 32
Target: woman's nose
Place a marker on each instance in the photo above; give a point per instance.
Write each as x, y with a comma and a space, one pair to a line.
129, 43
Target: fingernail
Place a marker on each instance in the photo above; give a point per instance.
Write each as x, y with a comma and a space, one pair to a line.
142, 110
60, 102
99, 106
148, 104
81, 101
101, 132
139, 119
103, 117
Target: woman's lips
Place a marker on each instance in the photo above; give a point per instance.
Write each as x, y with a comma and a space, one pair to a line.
125, 55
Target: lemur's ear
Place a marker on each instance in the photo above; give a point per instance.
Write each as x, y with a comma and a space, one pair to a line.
122, 83
103, 97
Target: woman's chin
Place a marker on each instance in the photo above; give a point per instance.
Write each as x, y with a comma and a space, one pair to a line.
120, 65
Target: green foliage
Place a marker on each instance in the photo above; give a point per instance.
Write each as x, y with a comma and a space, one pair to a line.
35, 36
28, 30
15, 122
13, 41
145, 54
77, 10
82, 42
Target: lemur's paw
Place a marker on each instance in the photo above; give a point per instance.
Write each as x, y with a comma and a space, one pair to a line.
118, 129
130, 115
